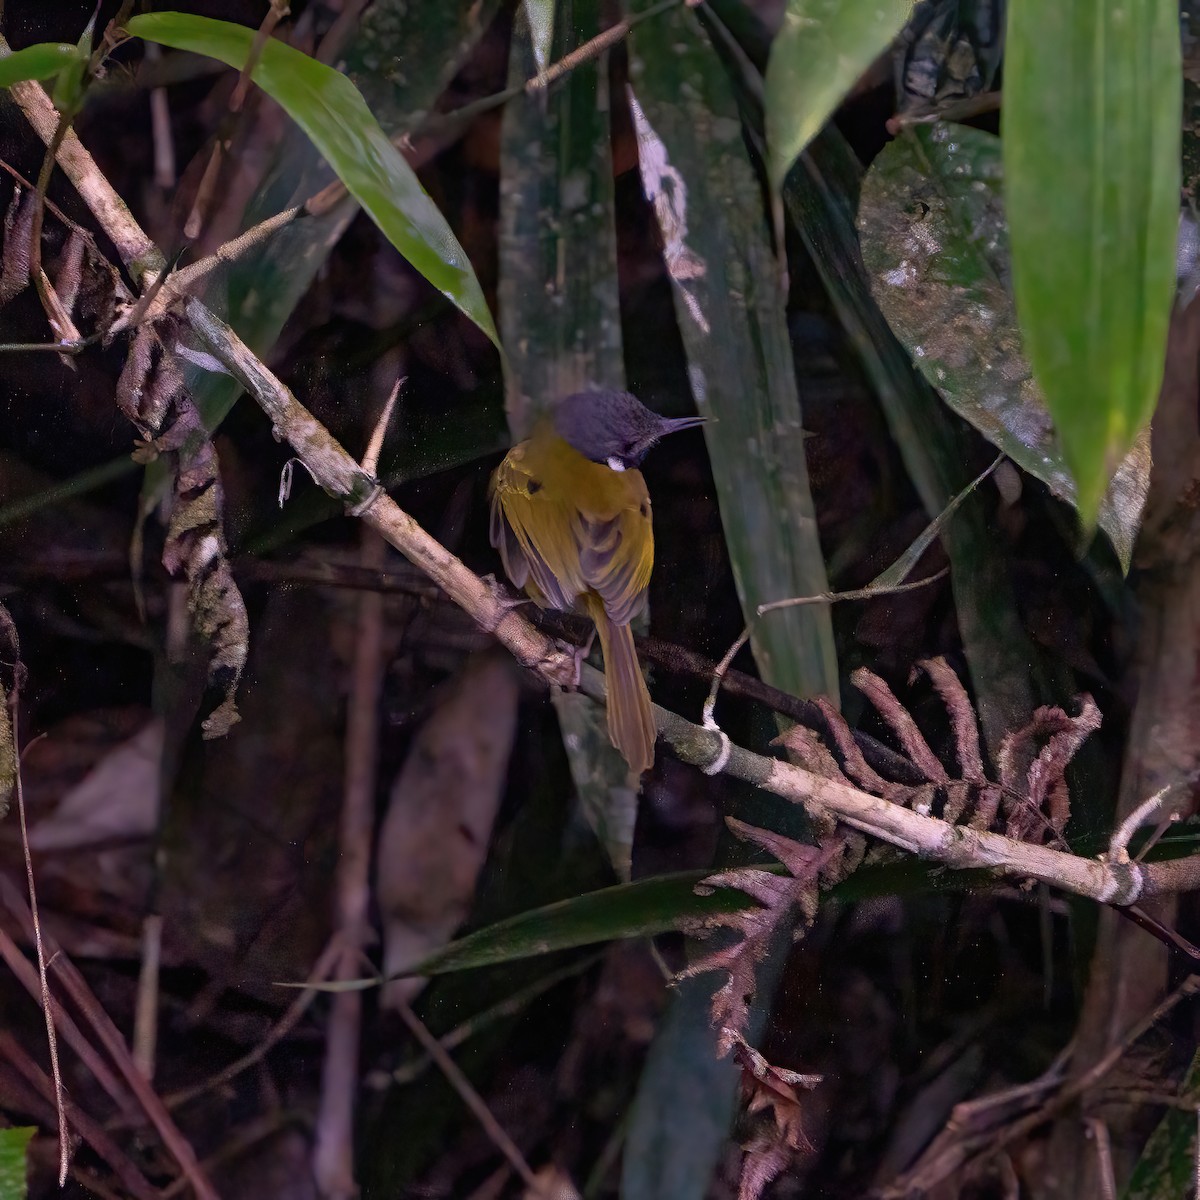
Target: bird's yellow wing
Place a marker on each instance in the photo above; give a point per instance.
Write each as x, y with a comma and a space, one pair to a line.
567, 526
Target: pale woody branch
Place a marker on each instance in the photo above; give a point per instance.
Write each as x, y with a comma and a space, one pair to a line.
1118, 883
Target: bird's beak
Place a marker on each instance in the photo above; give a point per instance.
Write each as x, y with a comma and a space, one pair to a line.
675, 424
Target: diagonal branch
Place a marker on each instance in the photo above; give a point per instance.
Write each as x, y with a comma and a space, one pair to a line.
1118, 884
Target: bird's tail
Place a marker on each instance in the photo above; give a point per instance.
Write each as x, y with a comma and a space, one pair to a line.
630, 718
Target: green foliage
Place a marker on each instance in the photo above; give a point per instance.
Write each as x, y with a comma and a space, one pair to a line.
821, 50
1167, 1166
729, 303
684, 1107
331, 110
1092, 104
42, 61
14, 1144
935, 242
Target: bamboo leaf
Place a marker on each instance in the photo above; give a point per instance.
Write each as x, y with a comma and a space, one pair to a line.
14, 1145
332, 111
1092, 103
683, 1077
821, 197
560, 311
820, 52
41, 61
935, 243
539, 14
729, 304
1166, 1168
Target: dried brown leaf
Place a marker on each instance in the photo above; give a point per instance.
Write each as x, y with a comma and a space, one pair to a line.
438, 826
69, 275
962, 717
811, 753
902, 724
783, 898
768, 1088
15, 263
855, 765
765, 1160
11, 672
151, 393
1038, 799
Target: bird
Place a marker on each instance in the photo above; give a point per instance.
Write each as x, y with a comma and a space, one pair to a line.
571, 518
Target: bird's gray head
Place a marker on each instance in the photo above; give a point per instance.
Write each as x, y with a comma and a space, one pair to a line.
613, 427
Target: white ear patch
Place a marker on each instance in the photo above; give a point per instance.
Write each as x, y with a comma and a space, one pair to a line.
615, 464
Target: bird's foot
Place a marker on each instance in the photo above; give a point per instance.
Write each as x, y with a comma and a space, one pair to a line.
504, 600
578, 654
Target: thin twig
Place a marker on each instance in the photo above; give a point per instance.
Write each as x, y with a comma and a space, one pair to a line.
1098, 1131
64, 1140
275, 13
333, 1153
469, 1096
71, 1033
1118, 846
145, 1013
160, 127
134, 1182
867, 593
509, 1006
370, 459
275, 1035
93, 1014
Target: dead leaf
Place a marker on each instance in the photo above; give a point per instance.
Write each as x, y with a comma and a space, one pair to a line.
439, 820
118, 799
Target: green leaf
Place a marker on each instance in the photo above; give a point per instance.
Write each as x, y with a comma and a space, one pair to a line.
1166, 1168
820, 52
13, 1168
68, 87
660, 904
41, 61
401, 58
560, 310
539, 16
935, 242
559, 304
899, 571
1092, 105
641, 909
666, 1158
820, 195
331, 110
730, 307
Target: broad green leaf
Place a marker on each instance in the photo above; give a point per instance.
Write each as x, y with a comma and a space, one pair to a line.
900, 570
644, 908
641, 909
559, 306
560, 310
331, 110
1167, 1166
68, 87
729, 304
401, 57
539, 16
41, 61
14, 1143
820, 196
683, 1081
1092, 103
935, 243
820, 52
